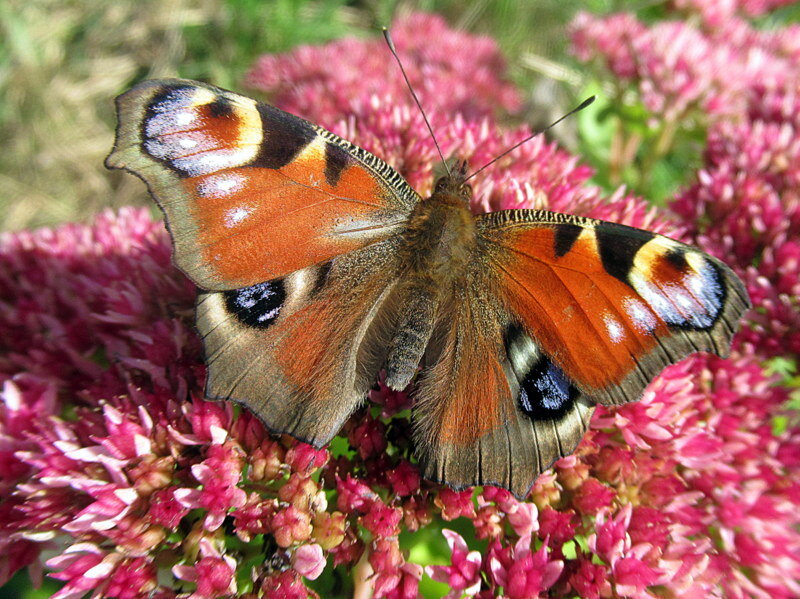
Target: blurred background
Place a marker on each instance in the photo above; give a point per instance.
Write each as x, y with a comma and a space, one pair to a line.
62, 63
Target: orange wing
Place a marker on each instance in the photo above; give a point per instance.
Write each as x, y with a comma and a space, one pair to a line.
556, 314
610, 305
252, 193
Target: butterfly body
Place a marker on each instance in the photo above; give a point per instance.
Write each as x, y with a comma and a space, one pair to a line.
439, 243
319, 266
441, 234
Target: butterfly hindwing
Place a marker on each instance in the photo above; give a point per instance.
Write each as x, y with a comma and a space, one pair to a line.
491, 408
252, 193
289, 349
610, 305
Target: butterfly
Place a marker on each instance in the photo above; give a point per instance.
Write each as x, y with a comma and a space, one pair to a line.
319, 266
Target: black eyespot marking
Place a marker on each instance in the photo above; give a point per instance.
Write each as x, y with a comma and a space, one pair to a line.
259, 305
220, 108
162, 101
335, 161
284, 137
566, 236
617, 245
677, 257
546, 393
159, 104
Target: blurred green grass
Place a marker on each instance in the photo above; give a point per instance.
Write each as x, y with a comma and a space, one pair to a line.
62, 63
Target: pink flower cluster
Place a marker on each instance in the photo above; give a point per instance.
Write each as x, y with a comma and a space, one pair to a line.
111, 460
742, 207
683, 70
451, 71
719, 12
366, 99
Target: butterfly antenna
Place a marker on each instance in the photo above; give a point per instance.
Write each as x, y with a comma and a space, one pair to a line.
390, 43
583, 105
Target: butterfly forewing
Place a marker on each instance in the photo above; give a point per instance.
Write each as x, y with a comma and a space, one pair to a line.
252, 193
610, 305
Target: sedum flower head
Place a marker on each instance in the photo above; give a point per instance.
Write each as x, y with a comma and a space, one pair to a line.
683, 69
436, 58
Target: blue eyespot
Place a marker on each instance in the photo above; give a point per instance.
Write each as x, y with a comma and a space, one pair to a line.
546, 392
259, 305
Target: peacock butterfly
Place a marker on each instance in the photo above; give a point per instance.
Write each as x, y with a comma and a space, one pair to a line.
319, 266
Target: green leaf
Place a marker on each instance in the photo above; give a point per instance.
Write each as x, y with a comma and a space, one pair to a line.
21, 587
